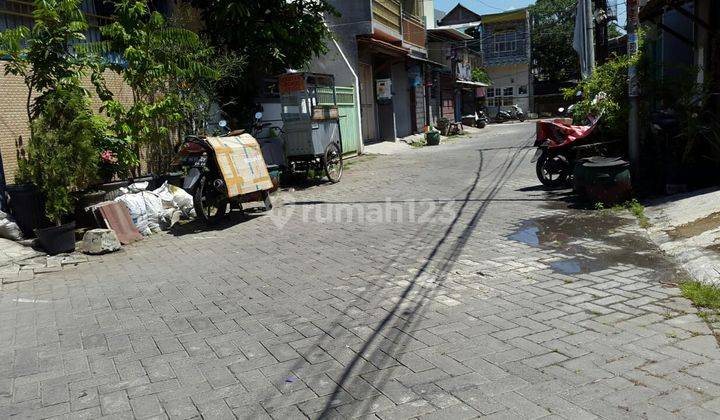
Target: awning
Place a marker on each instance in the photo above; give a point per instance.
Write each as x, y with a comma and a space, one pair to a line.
461, 26
473, 84
425, 60
383, 47
448, 33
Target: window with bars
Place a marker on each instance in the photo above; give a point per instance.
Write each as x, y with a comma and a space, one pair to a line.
498, 97
505, 43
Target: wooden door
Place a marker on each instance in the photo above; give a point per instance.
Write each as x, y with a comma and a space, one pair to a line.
367, 103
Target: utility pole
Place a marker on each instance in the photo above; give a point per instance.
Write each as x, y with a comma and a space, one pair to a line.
601, 30
589, 33
633, 12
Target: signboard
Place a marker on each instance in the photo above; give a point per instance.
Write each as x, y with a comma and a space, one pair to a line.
291, 83
383, 88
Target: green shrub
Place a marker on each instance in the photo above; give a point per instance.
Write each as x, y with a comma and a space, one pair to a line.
480, 75
611, 79
63, 154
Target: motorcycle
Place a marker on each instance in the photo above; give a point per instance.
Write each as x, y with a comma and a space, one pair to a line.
515, 113
560, 145
205, 181
477, 119
566, 112
481, 120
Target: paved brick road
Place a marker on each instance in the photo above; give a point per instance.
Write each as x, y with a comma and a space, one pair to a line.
473, 293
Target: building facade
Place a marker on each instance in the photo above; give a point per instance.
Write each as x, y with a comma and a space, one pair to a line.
452, 44
454, 92
506, 57
380, 49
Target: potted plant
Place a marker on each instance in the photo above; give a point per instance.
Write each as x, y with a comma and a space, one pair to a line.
62, 158
62, 155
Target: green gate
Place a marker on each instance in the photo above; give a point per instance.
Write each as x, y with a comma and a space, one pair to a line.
349, 124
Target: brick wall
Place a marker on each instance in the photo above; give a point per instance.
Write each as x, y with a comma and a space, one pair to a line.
14, 131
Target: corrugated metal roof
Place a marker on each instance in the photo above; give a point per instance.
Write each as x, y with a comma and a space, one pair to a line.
117, 217
449, 33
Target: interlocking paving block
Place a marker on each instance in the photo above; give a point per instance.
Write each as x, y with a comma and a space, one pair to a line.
412, 289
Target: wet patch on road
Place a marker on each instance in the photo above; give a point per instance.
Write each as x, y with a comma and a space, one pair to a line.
695, 228
595, 241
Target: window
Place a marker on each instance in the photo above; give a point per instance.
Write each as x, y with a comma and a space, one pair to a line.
523, 90
412, 7
505, 43
497, 97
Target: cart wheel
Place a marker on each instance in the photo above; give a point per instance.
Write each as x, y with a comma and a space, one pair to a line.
333, 163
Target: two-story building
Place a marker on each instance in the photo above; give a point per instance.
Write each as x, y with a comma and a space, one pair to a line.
506, 57
454, 90
379, 49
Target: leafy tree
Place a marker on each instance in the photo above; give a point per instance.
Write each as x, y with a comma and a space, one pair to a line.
273, 35
610, 81
43, 55
170, 72
553, 25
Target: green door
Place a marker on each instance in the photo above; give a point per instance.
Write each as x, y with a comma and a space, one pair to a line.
349, 124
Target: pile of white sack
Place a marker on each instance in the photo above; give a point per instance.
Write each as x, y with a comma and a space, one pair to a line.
8, 228
153, 211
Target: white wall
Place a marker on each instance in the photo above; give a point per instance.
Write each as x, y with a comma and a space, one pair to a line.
429, 13
512, 76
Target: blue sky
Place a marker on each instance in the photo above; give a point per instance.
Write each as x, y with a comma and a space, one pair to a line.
483, 7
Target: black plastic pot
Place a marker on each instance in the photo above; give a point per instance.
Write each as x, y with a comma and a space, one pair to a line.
84, 200
57, 239
603, 180
27, 206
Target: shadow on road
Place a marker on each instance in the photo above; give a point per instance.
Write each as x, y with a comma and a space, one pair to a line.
389, 337
196, 226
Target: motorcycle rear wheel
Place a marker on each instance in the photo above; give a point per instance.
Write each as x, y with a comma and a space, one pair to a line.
210, 206
552, 170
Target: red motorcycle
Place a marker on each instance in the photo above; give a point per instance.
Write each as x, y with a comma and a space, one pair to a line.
560, 144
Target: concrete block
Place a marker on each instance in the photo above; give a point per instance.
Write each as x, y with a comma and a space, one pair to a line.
100, 241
